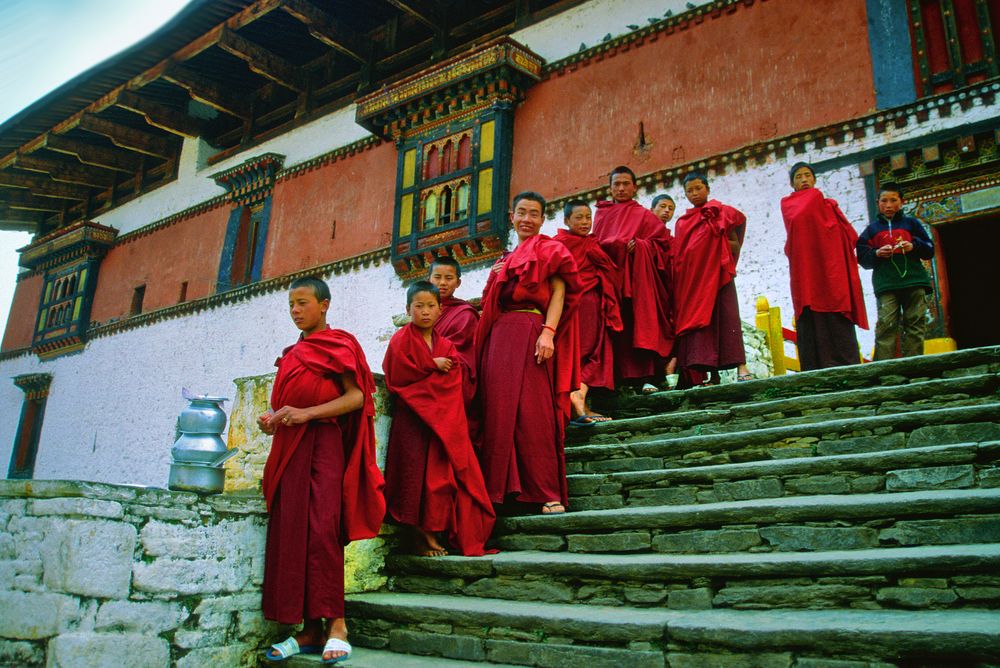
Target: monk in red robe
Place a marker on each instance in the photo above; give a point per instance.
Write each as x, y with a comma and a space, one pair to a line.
706, 248
458, 322
433, 481
826, 288
527, 346
639, 243
321, 483
598, 312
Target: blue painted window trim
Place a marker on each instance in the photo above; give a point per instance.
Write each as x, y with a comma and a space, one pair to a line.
892, 53
223, 282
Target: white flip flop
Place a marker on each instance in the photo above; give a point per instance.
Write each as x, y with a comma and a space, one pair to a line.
337, 645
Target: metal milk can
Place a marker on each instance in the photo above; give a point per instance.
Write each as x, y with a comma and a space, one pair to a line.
199, 452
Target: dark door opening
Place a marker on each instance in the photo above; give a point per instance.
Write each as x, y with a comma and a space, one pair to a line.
972, 264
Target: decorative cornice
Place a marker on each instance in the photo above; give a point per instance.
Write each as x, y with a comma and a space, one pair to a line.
14, 353
240, 294
66, 243
34, 385
251, 180
881, 122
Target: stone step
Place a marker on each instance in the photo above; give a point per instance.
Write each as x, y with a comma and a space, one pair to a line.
888, 372
951, 576
551, 634
364, 657
830, 437
956, 466
807, 523
892, 399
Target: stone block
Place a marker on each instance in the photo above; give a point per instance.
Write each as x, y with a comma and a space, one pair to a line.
624, 541
557, 655
87, 507
979, 594
743, 490
806, 662
789, 596
520, 590
846, 446
792, 539
90, 558
32, 616
667, 496
101, 650
685, 660
595, 502
186, 639
933, 477
508, 652
224, 540
818, 484
148, 617
951, 531
21, 654
545, 543
723, 540
418, 584
645, 595
217, 604
433, 644
690, 599
506, 633
191, 576
584, 485
865, 484
989, 478
223, 657
942, 434
916, 597
251, 625
620, 465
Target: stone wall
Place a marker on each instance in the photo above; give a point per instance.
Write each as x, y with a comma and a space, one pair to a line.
108, 575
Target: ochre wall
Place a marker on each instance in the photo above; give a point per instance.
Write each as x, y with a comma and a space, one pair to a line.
764, 70
357, 192
23, 311
187, 250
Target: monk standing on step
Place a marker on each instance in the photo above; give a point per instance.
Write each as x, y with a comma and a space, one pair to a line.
826, 288
322, 486
458, 322
433, 481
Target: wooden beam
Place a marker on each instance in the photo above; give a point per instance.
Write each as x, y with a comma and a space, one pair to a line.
63, 171
159, 116
99, 156
14, 220
129, 138
44, 186
262, 61
210, 92
422, 10
19, 199
327, 29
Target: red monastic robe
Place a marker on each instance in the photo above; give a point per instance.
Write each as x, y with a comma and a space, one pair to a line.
703, 261
526, 405
458, 323
432, 475
599, 309
822, 265
645, 285
321, 482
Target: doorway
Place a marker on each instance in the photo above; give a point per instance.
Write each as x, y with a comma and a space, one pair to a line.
971, 252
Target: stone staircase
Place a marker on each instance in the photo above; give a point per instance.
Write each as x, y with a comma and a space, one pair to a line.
842, 518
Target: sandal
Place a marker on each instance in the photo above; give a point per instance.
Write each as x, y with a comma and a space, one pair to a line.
744, 377
550, 508
582, 421
648, 388
287, 648
597, 417
337, 645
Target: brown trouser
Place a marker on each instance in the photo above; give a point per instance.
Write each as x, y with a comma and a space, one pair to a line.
911, 305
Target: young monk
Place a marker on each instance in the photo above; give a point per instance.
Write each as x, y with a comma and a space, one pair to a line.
321, 483
826, 288
598, 311
458, 320
706, 248
639, 243
663, 207
527, 346
433, 481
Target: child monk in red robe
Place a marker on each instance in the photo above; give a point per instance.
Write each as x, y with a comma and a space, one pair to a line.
826, 288
598, 312
706, 248
459, 320
639, 243
321, 483
527, 345
433, 481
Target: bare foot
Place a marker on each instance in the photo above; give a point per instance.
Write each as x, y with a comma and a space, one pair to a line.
428, 545
553, 508
578, 402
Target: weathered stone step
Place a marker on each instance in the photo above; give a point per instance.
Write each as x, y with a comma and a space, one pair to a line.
549, 634
808, 523
364, 657
888, 372
914, 577
893, 399
956, 466
829, 437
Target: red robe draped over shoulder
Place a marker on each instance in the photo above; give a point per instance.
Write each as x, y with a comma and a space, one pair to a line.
450, 494
305, 378
458, 322
598, 273
703, 261
528, 268
645, 271
822, 266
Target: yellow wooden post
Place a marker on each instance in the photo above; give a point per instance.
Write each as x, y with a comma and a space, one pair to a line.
769, 320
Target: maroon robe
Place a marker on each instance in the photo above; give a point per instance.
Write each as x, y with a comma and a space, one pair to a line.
599, 313
708, 318
646, 310
525, 405
458, 323
321, 483
433, 479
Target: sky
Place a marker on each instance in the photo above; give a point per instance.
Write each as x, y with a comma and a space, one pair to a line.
45, 43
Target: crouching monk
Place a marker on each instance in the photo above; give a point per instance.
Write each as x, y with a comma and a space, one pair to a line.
322, 486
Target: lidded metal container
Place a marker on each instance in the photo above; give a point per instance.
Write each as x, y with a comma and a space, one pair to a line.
199, 452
